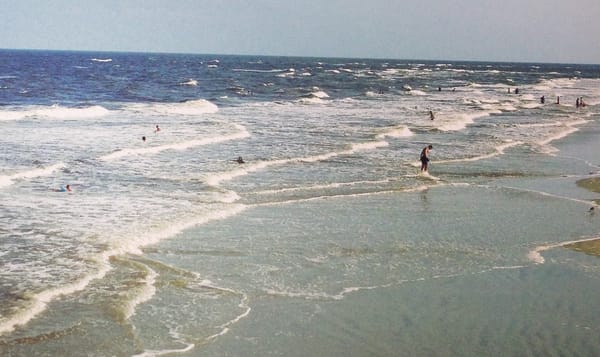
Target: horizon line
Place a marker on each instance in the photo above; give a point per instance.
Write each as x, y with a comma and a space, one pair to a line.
295, 56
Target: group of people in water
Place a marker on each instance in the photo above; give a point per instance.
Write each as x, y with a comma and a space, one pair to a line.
579, 103
424, 153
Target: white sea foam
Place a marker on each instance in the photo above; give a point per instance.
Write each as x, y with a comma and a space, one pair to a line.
396, 132
54, 112
417, 92
39, 301
320, 94
191, 107
143, 294
499, 151
216, 178
568, 128
458, 121
535, 255
320, 187
152, 353
190, 82
152, 150
7, 180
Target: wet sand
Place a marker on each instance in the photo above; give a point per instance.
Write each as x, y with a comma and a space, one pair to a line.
591, 247
592, 184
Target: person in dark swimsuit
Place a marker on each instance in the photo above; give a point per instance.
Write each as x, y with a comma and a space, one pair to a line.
425, 157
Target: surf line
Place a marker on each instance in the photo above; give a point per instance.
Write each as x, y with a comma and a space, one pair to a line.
241, 134
40, 301
420, 188
499, 151
217, 178
542, 193
7, 180
536, 254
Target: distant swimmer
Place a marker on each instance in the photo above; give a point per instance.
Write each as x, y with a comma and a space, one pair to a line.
543, 100
431, 116
425, 157
66, 188
157, 129
240, 160
557, 99
143, 138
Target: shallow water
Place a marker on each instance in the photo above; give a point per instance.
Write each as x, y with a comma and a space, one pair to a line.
325, 241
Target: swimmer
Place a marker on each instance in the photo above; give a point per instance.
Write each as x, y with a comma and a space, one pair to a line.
240, 160
431, 116
157, 129
66, 188
143, 138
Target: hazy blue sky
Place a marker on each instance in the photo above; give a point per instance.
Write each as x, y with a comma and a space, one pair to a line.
497, 30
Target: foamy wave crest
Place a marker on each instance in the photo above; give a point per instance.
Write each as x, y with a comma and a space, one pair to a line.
399, 132
101, 60
455, 122
319, 187
499, 151
7, 180
39, 301
568, 128
241, 134
143, 294
417, 92
192, 107
320, 94
217, 178
54, 112
316, 96
154, 353
191, 82
144, 237
535, 255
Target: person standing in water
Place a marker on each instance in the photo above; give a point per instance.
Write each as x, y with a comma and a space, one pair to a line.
425, 157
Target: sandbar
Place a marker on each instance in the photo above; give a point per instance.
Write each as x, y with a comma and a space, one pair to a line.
591, 247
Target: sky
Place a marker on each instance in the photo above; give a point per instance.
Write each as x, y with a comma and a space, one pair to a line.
549, 31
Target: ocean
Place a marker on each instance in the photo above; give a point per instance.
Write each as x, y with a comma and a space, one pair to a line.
279, 208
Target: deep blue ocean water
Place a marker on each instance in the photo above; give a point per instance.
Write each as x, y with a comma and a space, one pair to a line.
326, 240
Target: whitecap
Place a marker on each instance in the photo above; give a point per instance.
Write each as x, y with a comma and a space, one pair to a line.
6, 180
